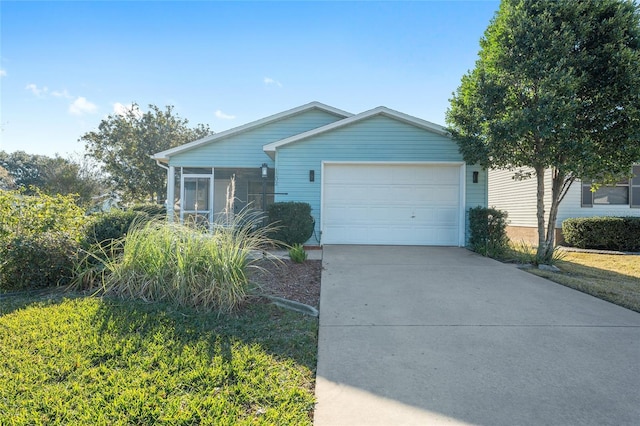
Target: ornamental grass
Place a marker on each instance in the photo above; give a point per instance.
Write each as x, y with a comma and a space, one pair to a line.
184, 265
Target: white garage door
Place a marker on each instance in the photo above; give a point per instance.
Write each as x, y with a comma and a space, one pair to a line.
391, 204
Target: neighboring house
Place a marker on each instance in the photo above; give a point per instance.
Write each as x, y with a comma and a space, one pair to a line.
378, 177
518, 199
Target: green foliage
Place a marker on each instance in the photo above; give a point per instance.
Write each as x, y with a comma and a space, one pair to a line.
557, 87
104, 228
124, 144
30, 261
292, 221
52, 176
26, 215
26, 170
6, 180
90, 361
155, 211
184, 266
488, 235
609, 233
297, 253
39, 238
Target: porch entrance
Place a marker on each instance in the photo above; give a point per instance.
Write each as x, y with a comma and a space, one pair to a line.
202, 198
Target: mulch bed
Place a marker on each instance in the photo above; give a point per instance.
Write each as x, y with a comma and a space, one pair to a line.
299, 282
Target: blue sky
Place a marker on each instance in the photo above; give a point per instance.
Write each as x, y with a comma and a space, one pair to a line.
65, 66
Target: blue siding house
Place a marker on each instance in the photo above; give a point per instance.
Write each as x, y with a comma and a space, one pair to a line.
378, 177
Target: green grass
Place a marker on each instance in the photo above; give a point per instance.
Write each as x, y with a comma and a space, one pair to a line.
78, 360
614, 278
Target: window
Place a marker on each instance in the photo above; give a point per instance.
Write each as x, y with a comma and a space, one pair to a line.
624, 193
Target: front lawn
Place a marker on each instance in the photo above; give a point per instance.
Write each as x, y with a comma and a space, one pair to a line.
78, 360
614, 278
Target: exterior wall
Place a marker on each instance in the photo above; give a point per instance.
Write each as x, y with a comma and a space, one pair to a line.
378, 138
518, 198
244, 150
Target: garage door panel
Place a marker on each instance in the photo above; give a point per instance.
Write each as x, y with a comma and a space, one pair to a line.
391, 204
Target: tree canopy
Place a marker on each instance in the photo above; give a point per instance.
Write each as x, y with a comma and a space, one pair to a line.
123, 144
51, 175
556, 88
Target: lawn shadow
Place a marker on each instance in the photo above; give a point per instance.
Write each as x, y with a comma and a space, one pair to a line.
16, 300
281, 333
620, 289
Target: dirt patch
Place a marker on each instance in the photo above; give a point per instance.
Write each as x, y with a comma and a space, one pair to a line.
293, 281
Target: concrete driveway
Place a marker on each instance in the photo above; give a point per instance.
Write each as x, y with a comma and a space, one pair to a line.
440, 335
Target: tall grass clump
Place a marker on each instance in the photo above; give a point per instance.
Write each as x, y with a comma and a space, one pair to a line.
524, 253
188, 267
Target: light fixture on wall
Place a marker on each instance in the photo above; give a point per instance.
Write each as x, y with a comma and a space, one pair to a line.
312, 175
475, 177
264, 170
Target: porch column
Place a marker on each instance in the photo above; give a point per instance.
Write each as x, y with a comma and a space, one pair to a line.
171, 180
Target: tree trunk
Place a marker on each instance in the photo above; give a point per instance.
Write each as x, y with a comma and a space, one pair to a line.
560, 185
542, 248
557, 181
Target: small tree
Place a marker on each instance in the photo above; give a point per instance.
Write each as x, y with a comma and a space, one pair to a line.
124, 143
556, 88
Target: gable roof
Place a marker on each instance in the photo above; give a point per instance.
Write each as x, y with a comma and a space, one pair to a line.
271, 148
164, 155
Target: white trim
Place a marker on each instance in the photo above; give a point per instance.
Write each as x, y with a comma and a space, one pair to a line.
462, 231
164, 155
211, 194
414, 121
462, 222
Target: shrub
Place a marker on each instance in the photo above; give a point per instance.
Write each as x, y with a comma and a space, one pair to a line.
37, 260
29, 215
154, 211
39, 237
104, 228
297, 253
488, 235
608, 233
291, 221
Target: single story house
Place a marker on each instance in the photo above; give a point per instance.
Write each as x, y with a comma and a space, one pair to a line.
518, 199
378, 177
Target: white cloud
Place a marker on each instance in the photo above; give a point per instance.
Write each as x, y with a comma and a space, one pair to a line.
269, 81
3, 72
124, 110
224, 116
82, 106
33, 88
61, 94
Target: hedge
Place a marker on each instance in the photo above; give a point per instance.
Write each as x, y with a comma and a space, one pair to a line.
606, 233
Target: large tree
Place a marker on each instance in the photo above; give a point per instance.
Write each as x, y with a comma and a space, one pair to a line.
556, 89
51, 175
25, 170
124, 142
